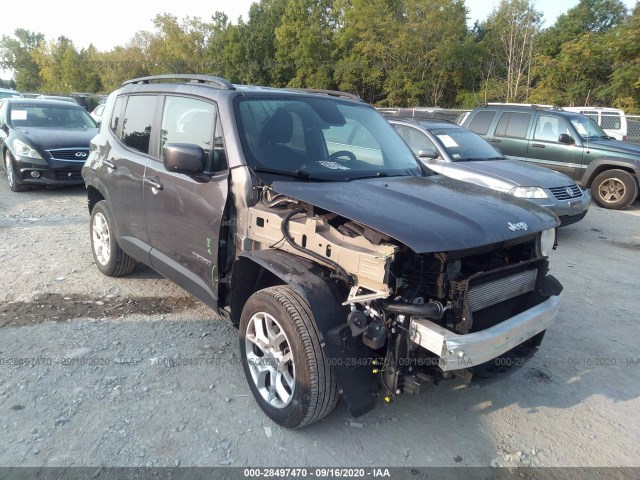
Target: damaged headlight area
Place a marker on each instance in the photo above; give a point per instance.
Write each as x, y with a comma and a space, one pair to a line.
417, 317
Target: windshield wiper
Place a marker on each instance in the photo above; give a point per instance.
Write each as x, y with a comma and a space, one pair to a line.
302, 174
375, 175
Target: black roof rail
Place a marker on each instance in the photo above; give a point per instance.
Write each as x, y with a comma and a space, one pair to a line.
333, 93
216, 82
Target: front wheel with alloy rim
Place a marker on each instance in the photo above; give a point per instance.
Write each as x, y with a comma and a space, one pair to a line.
12, 180
107, 254
283, 360
615, 189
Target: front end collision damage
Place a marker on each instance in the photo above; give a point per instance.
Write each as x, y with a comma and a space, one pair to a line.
388, 316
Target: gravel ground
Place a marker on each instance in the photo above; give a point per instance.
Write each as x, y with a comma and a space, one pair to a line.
98, 371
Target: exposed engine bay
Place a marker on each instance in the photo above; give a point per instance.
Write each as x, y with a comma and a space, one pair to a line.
418, 314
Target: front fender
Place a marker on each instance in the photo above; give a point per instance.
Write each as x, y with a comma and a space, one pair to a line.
263, 268
598, 165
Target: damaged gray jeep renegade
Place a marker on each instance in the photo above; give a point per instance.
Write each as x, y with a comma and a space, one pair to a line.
303, 218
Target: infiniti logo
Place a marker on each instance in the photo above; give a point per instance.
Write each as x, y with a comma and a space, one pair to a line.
569, 191
81, 154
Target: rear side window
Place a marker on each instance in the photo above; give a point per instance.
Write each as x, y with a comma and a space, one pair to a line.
138, 118
481, 122
513, 124
115, 116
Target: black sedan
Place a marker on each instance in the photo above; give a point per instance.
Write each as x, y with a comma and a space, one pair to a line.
43, 142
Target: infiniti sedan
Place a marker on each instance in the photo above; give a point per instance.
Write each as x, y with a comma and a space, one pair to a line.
456, 152
43, 142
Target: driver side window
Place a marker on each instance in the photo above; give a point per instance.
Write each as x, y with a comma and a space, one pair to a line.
415, 139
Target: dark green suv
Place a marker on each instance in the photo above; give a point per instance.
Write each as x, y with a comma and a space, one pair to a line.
565, 141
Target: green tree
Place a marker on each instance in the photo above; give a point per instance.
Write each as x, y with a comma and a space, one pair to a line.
16, 53
573, 63
589, 16
623, 88
58, 65
179, 47
259, 40
365, 57
305, 44
508, 35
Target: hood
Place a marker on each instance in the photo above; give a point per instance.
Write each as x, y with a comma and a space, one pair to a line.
427, 214
514, 172
614, 146
48, 138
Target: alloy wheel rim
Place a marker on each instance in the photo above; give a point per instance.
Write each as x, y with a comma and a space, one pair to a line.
101, 239
9, 169
611, 190
270, 360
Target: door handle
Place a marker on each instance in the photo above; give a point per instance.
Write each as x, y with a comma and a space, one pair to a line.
110, 164
537, 145
153, 183
496, 140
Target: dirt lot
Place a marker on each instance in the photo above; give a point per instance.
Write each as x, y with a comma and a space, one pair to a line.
135, 372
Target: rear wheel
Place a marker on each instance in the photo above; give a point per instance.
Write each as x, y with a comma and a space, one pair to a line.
107, 254
283, 360
12, 179
615, 189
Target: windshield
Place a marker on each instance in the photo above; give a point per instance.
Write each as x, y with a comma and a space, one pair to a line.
323, 139
587, 128
50, 116
463, 145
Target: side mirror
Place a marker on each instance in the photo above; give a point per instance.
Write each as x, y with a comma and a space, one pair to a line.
427, 153
183, 158
566, 139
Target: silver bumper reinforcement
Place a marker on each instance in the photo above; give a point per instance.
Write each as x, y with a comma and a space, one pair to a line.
458, 351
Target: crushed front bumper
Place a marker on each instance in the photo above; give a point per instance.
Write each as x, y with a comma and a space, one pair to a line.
458, 351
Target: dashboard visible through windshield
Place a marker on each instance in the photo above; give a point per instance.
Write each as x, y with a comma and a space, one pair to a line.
317, 138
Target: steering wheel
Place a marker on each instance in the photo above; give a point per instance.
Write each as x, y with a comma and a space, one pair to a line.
341, 154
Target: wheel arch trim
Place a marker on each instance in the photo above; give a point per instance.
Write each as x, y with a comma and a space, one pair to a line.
253, 271
601, 164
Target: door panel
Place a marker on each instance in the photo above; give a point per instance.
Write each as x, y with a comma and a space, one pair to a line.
125, 164
183, 213
546, 151
510, 135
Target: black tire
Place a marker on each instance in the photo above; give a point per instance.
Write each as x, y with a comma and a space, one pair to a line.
614, 189
107, 254
12, 179
315, 391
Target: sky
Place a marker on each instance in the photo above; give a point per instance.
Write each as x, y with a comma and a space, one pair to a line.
114, 22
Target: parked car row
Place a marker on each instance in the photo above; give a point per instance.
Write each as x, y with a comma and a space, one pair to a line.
565, 141
360, 257
456, 152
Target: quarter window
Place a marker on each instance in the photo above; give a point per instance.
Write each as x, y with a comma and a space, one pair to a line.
115, 116
513, 124
138, 118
